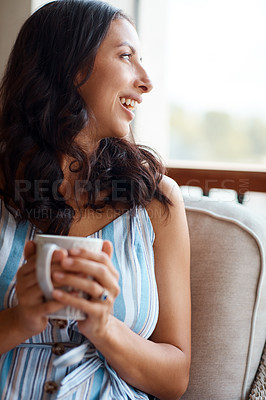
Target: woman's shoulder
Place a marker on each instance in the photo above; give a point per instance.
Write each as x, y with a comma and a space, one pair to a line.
163, 216
170, 189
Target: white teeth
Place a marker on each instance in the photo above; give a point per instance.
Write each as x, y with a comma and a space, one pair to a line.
131, 104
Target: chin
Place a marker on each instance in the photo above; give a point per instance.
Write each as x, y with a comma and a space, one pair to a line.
121, 133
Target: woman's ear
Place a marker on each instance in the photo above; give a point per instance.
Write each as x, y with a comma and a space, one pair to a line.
78, 79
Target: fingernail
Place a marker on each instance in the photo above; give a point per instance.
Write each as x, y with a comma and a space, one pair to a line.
67, 262
57, 293
59, 275
74, 251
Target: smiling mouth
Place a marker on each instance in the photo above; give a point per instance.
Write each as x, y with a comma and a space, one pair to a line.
130, 104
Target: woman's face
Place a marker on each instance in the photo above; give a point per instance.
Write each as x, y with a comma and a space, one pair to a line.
117, 82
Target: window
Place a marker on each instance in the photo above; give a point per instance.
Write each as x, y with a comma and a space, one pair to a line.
208, 62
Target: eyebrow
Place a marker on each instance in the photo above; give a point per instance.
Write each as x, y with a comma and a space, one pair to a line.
128, 45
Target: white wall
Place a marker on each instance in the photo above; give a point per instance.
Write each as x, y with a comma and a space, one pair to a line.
12, 15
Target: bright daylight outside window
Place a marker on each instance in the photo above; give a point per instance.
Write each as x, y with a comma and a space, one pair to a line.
214, 78
207, 60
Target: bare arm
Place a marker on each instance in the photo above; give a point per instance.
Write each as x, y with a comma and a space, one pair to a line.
10, 333
159, 366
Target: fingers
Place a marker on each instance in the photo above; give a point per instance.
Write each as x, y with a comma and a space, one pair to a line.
108, 248
70, 269
82, 264
50, 307
86, 285
88, 307
98, 272
29, 296
33, 311
30, 249
59, 255
103, 258
30, 255
27, 288
88, 276
25, 283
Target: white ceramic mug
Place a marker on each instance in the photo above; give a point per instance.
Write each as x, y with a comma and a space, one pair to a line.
46, 245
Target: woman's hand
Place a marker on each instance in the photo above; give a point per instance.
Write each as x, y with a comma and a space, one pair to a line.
32, 310
78, 266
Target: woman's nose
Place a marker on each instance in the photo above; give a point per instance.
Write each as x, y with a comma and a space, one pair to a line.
144, 82
146, 86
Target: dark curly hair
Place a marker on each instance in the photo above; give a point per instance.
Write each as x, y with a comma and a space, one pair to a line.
42, 112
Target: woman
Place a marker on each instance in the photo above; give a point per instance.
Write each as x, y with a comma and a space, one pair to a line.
68, 166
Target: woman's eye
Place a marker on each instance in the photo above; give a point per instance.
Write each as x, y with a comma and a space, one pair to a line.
126, 56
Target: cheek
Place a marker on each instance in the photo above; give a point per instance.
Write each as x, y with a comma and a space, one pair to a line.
107, 101
101, 93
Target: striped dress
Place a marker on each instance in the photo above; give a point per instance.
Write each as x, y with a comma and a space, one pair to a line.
27, 371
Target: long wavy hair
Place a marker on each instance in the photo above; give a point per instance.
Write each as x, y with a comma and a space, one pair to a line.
42, 112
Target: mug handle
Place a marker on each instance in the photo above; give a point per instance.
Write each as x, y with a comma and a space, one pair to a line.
43, 268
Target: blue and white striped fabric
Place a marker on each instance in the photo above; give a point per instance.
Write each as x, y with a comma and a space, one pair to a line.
25, 370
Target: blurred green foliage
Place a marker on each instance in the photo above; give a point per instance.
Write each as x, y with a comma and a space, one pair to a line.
216, 136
